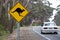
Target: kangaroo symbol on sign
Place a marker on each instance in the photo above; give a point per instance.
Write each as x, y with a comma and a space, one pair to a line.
19, 11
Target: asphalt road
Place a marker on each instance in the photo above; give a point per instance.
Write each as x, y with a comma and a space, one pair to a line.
37, 29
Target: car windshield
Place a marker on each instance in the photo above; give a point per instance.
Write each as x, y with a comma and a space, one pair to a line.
52, 24
49, 24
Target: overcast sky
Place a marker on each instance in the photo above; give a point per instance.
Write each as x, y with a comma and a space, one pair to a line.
55, 3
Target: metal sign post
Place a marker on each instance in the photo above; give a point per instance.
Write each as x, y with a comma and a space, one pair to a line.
18, 31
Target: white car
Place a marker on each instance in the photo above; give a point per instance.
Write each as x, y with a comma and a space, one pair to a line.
49, 27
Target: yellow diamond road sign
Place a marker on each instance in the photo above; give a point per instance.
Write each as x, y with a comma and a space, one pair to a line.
18, 12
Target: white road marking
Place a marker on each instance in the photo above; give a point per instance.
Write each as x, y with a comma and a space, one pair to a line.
41, 35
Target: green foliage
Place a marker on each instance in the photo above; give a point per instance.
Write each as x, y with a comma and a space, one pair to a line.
14, 27
36, 24
1, 27
3, 33
56, 19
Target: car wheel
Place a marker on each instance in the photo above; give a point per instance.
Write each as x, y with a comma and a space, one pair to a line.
55, 32
42, 32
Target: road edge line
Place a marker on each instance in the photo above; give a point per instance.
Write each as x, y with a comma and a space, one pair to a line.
41, 35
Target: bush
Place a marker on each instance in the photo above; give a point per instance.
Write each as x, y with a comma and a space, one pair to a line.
36, 24
2, 31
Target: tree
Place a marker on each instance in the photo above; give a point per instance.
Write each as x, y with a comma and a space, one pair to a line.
38, 11
57, 16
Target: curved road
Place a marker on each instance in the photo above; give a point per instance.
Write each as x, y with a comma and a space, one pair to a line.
47, 36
